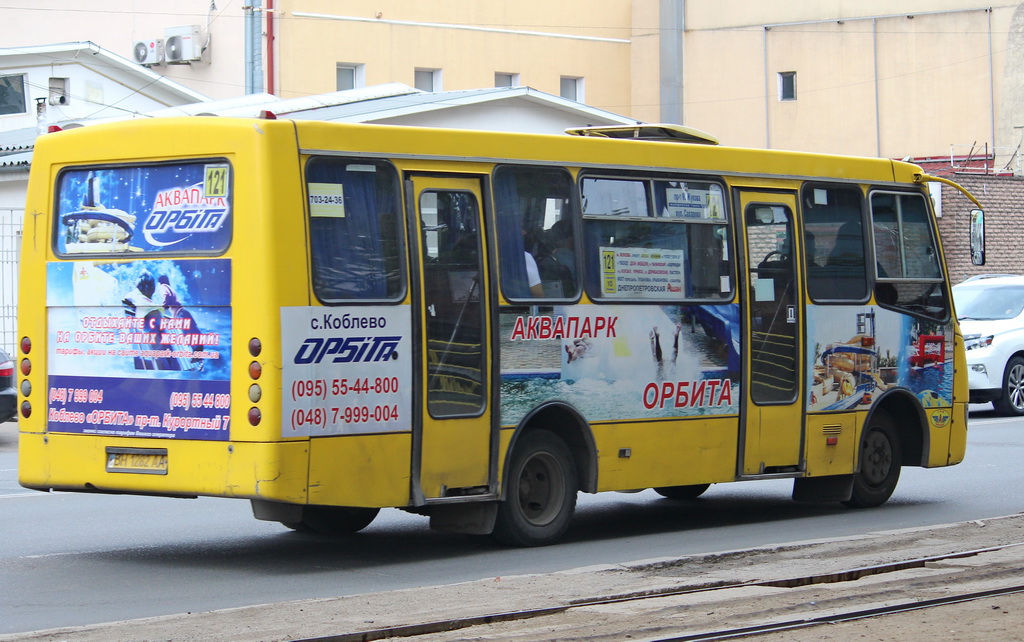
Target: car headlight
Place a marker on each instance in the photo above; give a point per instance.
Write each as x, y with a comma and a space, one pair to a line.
975, 341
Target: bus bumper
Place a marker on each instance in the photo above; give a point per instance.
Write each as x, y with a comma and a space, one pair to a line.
273, 471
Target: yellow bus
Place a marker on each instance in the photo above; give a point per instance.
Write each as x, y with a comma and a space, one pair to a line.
328, 319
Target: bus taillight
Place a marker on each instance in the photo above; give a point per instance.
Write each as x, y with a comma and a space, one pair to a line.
26, 367
26, 345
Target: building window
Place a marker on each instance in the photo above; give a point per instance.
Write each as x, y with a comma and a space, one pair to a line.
571, 88
12, 95
350, 76
428, 79
787, 85
506, 80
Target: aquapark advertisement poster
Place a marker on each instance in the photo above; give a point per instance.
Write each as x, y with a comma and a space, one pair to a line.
171, 207
857, 353
622, 362
140, 349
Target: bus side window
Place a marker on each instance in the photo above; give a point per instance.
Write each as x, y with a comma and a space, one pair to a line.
834, 243
536, 233
355, 234
908, 273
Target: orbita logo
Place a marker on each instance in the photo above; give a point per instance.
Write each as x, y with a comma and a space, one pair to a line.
940, 418
180, 212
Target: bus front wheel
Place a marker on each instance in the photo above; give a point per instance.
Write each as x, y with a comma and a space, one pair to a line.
880, 460
541, 493
333, 520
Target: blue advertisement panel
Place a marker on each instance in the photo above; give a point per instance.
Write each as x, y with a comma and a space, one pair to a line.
140, 349
180, 207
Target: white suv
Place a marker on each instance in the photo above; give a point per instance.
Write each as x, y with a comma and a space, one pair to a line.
990, 309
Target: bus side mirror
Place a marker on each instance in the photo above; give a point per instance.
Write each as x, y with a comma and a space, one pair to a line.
978, 237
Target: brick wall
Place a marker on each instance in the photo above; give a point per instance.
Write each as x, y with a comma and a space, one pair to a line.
1002, 197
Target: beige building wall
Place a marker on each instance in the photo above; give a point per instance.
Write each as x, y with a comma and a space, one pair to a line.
872, 78
466, 40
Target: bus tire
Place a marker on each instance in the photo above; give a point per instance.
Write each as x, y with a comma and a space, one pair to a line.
333, 520
693, 491
541, 493
1011, 402
880, 459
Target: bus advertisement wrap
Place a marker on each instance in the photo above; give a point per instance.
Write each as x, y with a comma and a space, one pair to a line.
140, 349
855, 354
346, 370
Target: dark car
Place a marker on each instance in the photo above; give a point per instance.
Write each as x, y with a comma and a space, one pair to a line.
8, 395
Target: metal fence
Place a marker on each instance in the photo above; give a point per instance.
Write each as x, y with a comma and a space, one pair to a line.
10, 248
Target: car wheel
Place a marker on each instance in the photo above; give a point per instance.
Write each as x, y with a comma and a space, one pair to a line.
1011, 402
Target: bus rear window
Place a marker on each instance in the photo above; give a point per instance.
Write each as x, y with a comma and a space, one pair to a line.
355, 229
179, 208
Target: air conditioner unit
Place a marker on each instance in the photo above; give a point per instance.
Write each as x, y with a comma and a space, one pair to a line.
148, 52
183, 44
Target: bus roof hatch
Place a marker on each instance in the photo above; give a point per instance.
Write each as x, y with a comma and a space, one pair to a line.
660, 132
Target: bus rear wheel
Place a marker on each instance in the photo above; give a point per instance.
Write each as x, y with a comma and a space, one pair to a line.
880, 459
692, 491
333, 520
541, 493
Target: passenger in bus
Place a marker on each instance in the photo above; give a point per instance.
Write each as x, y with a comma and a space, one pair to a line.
562, 240
533, 275
533, 279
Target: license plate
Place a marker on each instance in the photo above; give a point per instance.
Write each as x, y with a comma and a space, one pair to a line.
148, 461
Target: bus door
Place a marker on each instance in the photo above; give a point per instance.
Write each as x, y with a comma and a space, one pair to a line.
772, 429
451, 430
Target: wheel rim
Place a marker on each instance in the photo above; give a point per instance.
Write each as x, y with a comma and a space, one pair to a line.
541, 489
877, 458
1015, 386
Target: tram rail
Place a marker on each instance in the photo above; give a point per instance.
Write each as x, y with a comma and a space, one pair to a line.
864, 604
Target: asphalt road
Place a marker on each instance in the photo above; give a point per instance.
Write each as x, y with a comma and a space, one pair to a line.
70, 559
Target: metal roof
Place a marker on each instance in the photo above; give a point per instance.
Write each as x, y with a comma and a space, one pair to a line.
367, 104
421, 102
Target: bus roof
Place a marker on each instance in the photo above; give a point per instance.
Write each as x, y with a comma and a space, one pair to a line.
611, 147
